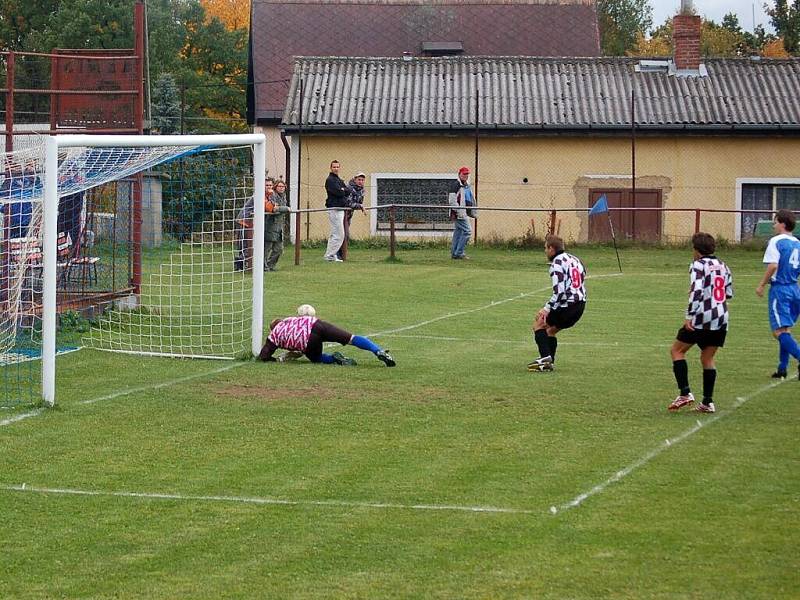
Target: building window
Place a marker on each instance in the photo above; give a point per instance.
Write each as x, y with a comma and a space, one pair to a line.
766, 197
415, 190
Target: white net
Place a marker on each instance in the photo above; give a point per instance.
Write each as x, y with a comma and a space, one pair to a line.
195, 293
194, 301
152, 247
20, 274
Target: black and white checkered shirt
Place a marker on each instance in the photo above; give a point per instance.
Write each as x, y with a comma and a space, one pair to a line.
568, 274
710, 288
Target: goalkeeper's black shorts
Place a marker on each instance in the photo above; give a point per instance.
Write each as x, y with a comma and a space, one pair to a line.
322, 332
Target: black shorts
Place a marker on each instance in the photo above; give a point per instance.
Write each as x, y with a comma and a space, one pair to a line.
703, 337
322, 332
566, 317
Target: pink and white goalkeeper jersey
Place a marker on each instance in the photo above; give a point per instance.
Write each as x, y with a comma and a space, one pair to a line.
292, 333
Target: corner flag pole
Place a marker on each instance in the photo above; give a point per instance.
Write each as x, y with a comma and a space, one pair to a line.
614, 240
601, 206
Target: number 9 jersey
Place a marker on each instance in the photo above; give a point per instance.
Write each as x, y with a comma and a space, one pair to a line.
710, 288
568, 275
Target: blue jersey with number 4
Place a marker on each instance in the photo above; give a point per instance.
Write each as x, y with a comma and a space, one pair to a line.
784, 250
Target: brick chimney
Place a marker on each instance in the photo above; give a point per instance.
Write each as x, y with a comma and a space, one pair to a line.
686, 41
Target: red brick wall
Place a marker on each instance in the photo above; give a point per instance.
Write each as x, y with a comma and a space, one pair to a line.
686, 40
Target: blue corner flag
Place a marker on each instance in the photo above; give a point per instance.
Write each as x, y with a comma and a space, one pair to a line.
600, 206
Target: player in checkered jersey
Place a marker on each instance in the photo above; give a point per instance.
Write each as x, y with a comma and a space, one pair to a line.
307, 335
706, 324
564, 308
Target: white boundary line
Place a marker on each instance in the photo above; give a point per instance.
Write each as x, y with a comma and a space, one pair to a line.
155, 386
443, 338
21, 417
619, 475
484, 307
266, 501
163, 384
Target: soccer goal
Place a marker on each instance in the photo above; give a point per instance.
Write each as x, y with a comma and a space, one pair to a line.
150, 243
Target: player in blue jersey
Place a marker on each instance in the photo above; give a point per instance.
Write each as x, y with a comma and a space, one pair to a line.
783, 269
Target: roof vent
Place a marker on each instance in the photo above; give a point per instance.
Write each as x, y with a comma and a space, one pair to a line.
652, 66
442, 48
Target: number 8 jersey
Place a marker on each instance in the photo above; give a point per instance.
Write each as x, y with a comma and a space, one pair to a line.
710, 288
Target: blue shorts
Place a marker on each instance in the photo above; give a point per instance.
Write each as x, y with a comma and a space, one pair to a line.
784, 306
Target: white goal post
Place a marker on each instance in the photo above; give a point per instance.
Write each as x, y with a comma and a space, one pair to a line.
65, 174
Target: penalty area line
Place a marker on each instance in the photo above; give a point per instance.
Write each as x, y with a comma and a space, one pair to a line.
263, 501
163, 384
492, 304
143, 388
669, 443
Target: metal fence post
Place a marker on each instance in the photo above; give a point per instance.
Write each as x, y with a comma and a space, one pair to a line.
391, 232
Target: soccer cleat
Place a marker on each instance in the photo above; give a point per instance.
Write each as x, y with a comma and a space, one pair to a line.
385, 358
341, 359
779, 375
706, 408
333, 259
541, 365
681, 401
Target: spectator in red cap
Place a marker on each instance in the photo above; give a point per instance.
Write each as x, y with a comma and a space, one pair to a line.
460, 197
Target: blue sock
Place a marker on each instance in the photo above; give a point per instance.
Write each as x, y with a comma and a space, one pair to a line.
364, 343
789, 345
326, 359
783, 359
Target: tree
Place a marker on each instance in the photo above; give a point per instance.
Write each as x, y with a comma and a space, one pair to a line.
785, 18
775, 49
620, 21
19, 18
166, 105
725, 40
720, 41
234, 14
651, 47
203, 56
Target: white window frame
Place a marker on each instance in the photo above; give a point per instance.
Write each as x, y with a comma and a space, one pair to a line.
773, 181
373, 199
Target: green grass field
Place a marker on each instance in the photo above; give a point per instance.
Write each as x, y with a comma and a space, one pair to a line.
164, 478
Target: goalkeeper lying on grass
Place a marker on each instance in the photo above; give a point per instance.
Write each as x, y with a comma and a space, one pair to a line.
306, 334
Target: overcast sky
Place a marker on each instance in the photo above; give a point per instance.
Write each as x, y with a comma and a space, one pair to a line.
715, 10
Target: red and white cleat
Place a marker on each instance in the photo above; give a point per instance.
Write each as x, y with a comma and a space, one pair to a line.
681, 401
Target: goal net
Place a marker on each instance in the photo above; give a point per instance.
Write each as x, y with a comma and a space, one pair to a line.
20, 276
138, 244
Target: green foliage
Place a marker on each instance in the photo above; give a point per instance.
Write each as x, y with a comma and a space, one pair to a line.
22, 19
205, 59
72, 321
166, 105
785, 17
725, 40
620, 21
193, 189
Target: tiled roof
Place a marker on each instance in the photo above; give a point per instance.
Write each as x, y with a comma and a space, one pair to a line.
541, 93
281, 30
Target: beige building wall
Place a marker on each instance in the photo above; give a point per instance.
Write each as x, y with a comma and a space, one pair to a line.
557, 173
